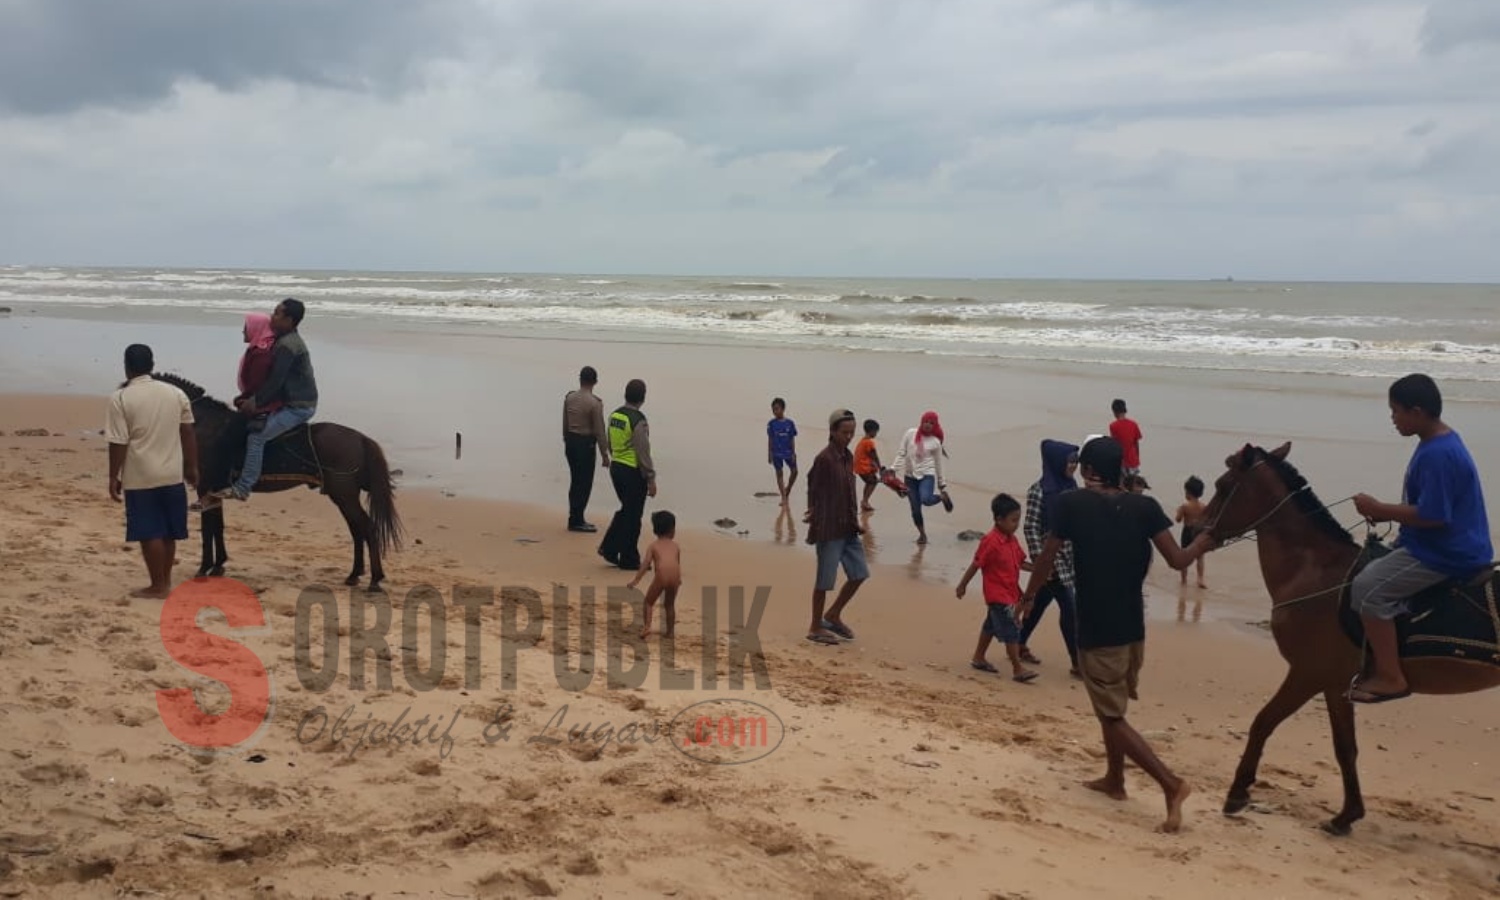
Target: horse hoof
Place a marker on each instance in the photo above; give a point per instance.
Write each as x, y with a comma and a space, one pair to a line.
1236, 805
352, 581
1337, 828
374, 589
216, 572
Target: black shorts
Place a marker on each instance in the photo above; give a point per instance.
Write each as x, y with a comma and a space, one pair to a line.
156, 514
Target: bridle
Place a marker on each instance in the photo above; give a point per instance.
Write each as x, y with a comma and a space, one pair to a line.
1245, 534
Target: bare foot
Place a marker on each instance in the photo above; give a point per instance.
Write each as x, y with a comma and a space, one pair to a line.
921, 538
1203, 584
668, 634
1112, 789
867, 508
151, 593
645, 633
1175, 800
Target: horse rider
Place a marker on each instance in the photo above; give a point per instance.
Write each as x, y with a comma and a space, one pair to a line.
291, 384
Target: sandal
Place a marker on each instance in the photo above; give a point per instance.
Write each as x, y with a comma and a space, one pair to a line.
947, 502
1024, 677
984, 666
1030, 658
838, 628
819, 637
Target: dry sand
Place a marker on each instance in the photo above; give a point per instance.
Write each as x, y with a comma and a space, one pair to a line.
902, 773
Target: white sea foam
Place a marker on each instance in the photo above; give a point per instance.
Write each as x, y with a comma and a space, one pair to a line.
1089, 323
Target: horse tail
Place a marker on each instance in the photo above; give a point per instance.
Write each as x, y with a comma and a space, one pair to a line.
382, 489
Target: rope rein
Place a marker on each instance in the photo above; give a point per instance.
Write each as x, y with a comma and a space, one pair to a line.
1248, 534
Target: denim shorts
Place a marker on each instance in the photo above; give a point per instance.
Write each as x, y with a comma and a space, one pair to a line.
849, 553
789, 462
156, 514
1000, 623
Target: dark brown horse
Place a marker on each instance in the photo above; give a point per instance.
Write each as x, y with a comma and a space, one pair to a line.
1307, 560
340, 460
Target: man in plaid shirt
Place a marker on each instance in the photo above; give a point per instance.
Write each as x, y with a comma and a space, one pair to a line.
1059, 463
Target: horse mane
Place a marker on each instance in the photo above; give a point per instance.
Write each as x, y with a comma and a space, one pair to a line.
1304, 498
194, 392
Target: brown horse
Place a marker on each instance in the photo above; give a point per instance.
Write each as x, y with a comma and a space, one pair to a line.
340, 460
1307, 560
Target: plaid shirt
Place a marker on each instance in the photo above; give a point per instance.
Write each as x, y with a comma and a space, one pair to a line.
1036, 537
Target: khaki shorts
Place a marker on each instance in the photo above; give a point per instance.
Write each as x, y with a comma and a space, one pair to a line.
1111, 675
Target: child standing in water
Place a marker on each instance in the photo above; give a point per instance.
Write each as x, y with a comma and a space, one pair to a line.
867, 463
1190, 514
664, 560
781, 448
1000, 557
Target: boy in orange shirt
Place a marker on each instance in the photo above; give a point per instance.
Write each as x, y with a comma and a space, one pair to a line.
1001, 557
867, 463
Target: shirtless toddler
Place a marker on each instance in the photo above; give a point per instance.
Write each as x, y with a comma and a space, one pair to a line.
664, 560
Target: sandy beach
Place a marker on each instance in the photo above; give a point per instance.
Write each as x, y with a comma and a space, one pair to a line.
900, 772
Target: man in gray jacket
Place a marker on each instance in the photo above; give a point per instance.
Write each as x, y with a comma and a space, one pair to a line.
291, 381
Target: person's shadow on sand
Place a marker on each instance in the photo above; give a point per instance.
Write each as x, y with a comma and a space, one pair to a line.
785, 528
1182, 602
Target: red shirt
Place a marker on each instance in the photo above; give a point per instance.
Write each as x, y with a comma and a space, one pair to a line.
1128, 434
999, 559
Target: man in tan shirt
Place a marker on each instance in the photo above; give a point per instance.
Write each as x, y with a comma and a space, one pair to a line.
583, 430
152, 452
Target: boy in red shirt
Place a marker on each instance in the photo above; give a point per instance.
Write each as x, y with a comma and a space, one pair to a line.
1127, 433
1001, 557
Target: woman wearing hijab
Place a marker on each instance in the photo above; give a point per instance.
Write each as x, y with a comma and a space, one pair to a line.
255, 365
920, 463
1059, 463
255, 368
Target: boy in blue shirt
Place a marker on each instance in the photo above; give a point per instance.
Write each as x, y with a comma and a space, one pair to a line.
1445, 533
781, 448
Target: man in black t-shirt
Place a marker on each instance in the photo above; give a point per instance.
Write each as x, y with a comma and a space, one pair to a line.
1112, 533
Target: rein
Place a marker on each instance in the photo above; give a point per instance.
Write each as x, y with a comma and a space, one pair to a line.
1247, 534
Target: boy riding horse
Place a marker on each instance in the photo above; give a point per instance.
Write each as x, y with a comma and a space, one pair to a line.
1445, 533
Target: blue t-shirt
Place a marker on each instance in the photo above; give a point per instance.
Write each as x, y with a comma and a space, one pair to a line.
1442, 482
781, 432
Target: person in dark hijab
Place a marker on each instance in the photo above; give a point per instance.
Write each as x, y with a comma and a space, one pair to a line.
1059, 463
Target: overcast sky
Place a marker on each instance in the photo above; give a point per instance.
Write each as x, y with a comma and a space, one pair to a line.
1070, 138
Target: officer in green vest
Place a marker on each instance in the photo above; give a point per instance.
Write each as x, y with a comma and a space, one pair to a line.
633, 475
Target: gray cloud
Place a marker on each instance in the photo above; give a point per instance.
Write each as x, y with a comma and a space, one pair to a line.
970, 137
60, 55
1451, 24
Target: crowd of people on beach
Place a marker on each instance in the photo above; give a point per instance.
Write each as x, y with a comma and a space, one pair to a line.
1087, 547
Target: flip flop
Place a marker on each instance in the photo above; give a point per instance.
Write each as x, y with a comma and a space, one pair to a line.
984, 667
947, 503
825, 639
1030, 658
838, 628
1371, 698
1024, 677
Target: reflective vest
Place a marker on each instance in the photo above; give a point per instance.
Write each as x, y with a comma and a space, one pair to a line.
622, 423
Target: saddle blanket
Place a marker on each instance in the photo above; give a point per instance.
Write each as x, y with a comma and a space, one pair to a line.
1453, 620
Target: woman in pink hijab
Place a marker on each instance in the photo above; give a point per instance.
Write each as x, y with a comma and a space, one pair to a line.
920, 463
255, 365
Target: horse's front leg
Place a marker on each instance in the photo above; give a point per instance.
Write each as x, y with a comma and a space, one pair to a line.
1346, 749
1290, 697
211, 530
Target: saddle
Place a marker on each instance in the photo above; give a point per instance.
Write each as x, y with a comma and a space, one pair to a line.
1453, 620
289, 459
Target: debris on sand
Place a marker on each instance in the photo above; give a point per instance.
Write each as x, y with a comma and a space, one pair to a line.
971, 535
725, 523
